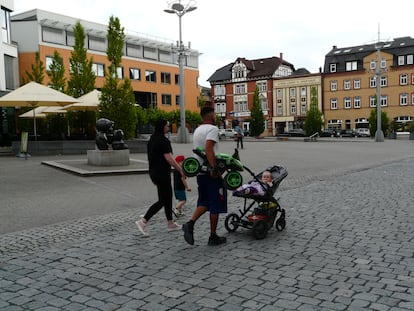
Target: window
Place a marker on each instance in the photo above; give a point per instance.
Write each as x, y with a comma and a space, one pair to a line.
134, 74
332, 67
5, 25
347, 103
334, 85
357, 84
384, 100
70, 38
334, 103
383, 63
177, 79
373, 82
240, 89
383, 81
350, 66
262, 86
98, 69
279, 93
166, 99
347, 84
372, 64
96, 43
120, 72
357, 102
403, 99
219, 90
150, 76
133, 50
410, 59
240, 106
403, 79
293, 109
52, 35
279, 110
165, 77
292, 92
401, 60
303, 99
264, 104
303, 109
49, 61
372, 101
412, 78
412, 98
177, 100
303, 91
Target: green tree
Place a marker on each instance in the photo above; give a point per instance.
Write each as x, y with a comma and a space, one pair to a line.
56, 73
117, 98
37, 73
372, 120
82, 78
256, 116
313, 122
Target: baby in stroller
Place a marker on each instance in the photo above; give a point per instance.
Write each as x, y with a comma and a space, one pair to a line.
259, 212
256, 187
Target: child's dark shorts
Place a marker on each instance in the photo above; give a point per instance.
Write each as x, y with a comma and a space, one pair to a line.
212, 194
180, 195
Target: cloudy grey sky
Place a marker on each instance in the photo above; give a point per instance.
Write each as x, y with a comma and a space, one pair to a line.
222, 30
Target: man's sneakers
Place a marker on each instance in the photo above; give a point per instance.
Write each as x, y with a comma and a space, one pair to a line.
141, 226
188, 229
216, 240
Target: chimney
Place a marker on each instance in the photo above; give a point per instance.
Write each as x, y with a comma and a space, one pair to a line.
281, 56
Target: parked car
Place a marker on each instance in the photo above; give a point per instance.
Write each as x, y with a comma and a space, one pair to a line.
227, 133
362, 132
347, 133
329, 133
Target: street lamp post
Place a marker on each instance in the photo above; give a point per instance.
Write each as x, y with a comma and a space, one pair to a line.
180, 9
379, 135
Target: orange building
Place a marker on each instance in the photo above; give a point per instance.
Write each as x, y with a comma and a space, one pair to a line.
149, 62
350, 84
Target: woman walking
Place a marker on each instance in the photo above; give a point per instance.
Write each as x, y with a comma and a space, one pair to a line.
160, 160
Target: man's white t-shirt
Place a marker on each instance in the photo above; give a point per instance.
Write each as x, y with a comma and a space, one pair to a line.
203, 133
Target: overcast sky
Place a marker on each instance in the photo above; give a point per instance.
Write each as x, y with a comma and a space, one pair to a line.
223, 30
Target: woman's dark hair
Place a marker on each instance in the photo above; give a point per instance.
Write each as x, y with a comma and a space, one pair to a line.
159, 126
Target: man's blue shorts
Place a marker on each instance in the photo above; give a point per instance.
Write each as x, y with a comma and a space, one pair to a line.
180, 195
212, 194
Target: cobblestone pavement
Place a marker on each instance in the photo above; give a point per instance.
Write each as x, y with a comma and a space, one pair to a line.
348, 245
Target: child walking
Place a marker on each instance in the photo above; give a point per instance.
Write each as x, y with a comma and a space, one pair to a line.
180, 186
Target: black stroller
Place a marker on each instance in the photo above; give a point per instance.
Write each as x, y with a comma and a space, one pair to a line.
266, 207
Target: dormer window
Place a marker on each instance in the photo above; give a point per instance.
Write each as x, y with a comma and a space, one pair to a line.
239, 71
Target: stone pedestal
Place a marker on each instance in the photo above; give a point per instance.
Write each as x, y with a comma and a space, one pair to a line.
108, 157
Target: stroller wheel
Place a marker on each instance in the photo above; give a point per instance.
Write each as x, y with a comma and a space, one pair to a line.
233, 180
232, 222
191, 166
280, 224
259, 229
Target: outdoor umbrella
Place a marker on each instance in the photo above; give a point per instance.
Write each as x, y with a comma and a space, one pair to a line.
41, 112
89, 101
33, 95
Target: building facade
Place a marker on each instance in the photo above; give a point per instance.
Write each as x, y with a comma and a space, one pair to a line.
233, 88
292, 99
9, 73
350, 83
149, 62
